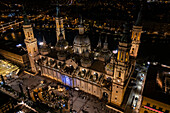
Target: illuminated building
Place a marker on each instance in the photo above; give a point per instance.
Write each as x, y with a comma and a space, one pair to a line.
136, 34
14, 52
59, 24
104, 76
7, 69
31, 42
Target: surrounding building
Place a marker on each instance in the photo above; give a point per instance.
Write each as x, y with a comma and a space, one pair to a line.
6, 103
105, 76
15, 54
156, 91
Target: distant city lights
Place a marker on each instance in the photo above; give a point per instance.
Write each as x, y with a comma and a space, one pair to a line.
148, 63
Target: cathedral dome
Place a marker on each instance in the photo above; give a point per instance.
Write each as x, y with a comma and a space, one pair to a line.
44, 49
86, 60
81, 40
104, 55
62, 55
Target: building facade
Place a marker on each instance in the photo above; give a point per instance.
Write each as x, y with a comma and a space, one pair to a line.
105, 77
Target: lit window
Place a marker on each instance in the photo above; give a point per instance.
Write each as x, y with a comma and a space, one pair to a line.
132, 50
28, 34
127, 55
121, 56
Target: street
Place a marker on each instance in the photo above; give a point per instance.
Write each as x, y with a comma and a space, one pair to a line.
135, 97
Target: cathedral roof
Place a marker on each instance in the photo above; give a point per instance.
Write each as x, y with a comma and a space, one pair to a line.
99, 66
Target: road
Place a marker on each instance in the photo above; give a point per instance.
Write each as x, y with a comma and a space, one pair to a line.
136, 92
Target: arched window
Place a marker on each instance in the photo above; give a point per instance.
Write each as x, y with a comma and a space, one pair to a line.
121, 56
119, 73
28, 34
118, 55
34, 50
77, 50
132, 50
139, 36
127, 56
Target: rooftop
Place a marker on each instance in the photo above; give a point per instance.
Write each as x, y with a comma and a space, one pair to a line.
4, 99
10, 46
99, 66
151, 89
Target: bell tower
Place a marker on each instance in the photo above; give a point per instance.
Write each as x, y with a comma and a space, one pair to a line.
31, 42
59, 24
136, 35
122, 67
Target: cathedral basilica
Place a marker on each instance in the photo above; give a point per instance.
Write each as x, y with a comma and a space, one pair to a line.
98, 72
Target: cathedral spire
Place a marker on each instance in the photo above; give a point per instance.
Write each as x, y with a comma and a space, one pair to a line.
139, 19
106, 39
44, 42
105, 46
81, 27
126, 33
81, 20
57, 10
99, 42
26, 21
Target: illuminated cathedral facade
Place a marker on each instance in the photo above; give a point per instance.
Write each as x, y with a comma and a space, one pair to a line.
100, 72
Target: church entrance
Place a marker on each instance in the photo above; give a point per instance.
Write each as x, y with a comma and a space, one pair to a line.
105, 97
